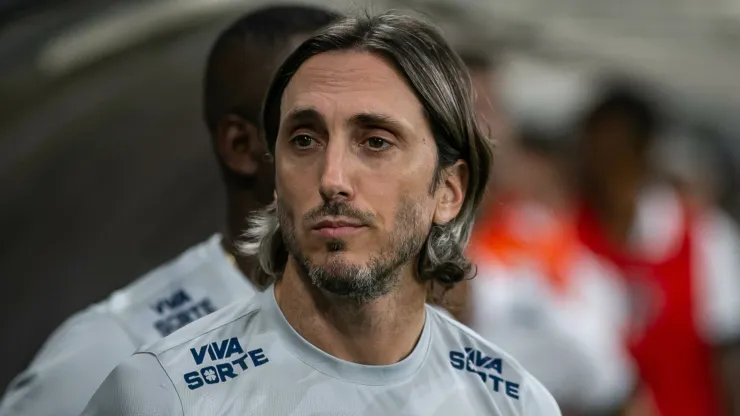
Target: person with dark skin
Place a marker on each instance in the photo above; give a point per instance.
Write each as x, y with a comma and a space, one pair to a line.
680, 263
207, 276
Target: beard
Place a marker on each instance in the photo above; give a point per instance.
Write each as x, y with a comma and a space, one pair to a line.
360, 283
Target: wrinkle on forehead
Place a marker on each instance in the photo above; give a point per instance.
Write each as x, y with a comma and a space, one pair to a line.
341, 69
355, 82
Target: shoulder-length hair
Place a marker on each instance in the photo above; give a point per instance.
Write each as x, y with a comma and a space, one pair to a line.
438, 77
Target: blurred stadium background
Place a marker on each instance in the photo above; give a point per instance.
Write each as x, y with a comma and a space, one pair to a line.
105, 167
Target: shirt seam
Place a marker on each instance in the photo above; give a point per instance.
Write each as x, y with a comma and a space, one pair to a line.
121, 323
177, 392
159, 284
151, 281
245, 314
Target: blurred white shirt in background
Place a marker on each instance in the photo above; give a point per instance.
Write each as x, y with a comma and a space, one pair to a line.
86, 347
569, 334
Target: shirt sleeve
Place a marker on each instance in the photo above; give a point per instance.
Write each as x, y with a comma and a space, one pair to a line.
138, 387
538, 401
69, 367
717, 270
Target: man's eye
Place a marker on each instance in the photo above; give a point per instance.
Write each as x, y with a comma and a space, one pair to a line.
303, 141
377, 143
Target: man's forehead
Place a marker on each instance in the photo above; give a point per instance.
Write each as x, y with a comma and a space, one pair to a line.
350, 83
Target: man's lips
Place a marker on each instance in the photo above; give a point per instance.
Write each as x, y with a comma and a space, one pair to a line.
334, 228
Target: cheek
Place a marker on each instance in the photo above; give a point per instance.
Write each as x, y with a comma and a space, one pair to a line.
405, 205
384, 187
295, 186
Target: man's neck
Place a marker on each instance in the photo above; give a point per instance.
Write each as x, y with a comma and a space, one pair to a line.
380, 332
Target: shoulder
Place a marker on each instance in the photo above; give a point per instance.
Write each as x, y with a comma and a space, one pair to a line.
69, 367
228, 321
138, 386
452, 333
195, 284
717, 243
87, 329
93, 341
215, 348
165, 278
478, 360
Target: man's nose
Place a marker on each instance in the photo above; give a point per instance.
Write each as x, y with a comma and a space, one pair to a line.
334, 183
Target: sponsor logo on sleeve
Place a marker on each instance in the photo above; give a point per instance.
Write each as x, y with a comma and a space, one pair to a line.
489, 369
179, 309
223, 360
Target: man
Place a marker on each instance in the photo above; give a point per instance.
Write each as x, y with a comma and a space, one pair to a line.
380, 165
679, 261
536, 293
81, 353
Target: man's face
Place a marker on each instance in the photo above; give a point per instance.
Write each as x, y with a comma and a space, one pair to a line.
355, 161
608, 148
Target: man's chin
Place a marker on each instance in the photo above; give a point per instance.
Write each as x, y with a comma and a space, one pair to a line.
339, 267
338, 275
338, 259
357, 290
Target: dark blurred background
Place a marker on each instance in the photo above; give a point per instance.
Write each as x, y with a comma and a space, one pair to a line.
105, 166
105, 169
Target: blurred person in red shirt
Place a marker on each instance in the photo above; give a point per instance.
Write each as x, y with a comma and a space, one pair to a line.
540, 293
679, 261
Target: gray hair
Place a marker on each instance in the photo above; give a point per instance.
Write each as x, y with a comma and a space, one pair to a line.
440, 81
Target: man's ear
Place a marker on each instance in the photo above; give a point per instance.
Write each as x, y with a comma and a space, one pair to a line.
239, 145
450, 193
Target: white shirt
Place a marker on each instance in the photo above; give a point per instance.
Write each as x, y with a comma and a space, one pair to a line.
569, 338
83, 351
571, 341
246, 359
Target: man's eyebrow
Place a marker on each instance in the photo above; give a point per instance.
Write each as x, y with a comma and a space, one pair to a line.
376, 120
304, 115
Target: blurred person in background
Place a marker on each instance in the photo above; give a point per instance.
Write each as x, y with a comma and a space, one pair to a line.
679, 261
534, 293
690, 161
80, 354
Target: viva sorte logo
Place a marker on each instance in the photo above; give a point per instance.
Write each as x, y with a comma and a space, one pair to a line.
215, 373
489, 369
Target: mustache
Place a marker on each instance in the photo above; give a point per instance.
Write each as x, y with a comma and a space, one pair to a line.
331, 209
